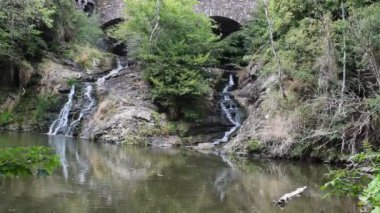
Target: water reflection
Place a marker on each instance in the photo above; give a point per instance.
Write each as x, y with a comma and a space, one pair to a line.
66, 146
226, 177
107, 178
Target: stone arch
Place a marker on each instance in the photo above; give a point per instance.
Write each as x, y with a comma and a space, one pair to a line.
225, 25
110, 12
237, 10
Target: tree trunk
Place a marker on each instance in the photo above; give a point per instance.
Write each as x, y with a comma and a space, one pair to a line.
276, 57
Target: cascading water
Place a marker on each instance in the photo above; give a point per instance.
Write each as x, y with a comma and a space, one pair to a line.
61, 123
230, 110
113, 73
89, 103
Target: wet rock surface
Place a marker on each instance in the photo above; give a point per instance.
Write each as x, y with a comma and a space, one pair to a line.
33, 106
249, 94
124, 105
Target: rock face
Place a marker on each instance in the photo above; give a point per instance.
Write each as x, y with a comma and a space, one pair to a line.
123, 106
102, 64
250, 95
125, 113
36, 102
16, 76
56, 77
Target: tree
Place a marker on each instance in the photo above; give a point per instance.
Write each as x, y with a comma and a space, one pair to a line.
28, 27
19, 26
278, 61
360, 180
174, 44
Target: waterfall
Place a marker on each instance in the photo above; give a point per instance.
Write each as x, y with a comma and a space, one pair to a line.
61, 123
89, 103
230, 110
113, 73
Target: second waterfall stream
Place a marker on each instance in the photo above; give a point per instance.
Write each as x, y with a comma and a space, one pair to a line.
67, 121
230, 111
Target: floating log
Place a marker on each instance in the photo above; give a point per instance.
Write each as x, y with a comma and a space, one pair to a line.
288, 196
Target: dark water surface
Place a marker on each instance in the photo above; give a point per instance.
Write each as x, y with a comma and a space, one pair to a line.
108, 178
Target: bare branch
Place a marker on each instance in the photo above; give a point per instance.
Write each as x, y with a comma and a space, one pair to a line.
278, 61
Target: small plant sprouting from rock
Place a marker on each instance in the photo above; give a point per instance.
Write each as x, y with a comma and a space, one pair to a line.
254, 145
72, 82
5, 118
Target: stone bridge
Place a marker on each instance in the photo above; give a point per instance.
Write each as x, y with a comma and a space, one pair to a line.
237, 10
229, 14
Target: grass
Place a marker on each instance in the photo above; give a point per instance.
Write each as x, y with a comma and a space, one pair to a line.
5, 118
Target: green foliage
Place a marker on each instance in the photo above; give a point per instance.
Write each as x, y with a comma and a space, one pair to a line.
297, 39
5, 118
344, 183
234, 49
371, 194
85, 55
20, 22
362, 181
27, 28
174, 43
308, 39
164, 129
311, 39
255, 146
374, 104
43, 105
133, 140
27, 161
72, 82
70, 26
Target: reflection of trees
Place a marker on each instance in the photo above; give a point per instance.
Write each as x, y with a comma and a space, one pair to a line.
109, 178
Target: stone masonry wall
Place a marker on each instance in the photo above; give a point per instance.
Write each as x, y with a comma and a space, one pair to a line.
110, 10
238, 10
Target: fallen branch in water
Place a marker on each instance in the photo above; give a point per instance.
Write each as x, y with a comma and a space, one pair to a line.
288, 196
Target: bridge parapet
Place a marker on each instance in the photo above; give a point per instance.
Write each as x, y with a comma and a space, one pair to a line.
237, 10
111, 11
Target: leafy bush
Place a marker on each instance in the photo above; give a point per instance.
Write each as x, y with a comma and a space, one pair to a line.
5, 118
27, 161
19, 27
27, 28
361, 181
371, 195
164, 129
84, 55
174, 43
43, 105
